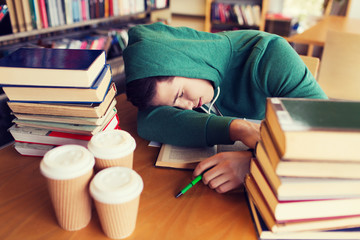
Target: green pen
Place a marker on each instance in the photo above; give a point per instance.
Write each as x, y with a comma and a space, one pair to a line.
193, 182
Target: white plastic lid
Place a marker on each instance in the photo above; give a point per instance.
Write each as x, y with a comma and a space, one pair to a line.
112, 144
67, 162
115, 185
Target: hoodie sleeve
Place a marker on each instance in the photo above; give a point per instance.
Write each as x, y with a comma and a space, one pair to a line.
183, 127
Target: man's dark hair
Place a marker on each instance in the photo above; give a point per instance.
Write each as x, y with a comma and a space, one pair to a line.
141, 92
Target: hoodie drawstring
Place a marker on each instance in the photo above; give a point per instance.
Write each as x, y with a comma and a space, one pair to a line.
208, 111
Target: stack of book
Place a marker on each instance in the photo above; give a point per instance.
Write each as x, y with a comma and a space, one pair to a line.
305, 180
58, 96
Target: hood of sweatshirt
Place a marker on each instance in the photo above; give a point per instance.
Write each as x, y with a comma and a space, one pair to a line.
160, 50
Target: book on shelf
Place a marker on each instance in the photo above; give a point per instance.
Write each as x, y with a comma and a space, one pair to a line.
111, 121
68, 11
52, 67
92, 110
35, 14
27, 15
238, 14
12, 15
95, 93
20, 15
268, 156
5, 19
268, 229
68, 119
305, 210
43, 14
187, 158
314, 129
247, 9
303, 188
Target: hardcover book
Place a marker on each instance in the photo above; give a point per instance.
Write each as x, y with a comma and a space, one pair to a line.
312, 129
52, 67
303, 188
67, 119
32, 149
45, 136
75, 110
268, 229
95, 93
111, 122
306, 210
268, 155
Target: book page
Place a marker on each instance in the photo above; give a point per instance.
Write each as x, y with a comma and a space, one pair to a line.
184, 154
237, 146
185, 157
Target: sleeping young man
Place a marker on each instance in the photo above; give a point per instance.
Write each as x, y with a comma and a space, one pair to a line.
194, 89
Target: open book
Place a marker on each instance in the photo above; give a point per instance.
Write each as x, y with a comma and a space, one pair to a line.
187, 158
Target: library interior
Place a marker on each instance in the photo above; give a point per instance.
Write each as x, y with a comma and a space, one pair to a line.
63, 82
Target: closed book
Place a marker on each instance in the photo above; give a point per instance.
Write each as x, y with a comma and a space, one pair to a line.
75, 110
12, 15
302, 188
32, 149
70, 128
68, 119
46, 136
52, 67
299, 168
238, 14
313, 129
68, 11
27, 15
43, 14
20, 15
267, 228
307, 210
95, 93
60, 12
37, 14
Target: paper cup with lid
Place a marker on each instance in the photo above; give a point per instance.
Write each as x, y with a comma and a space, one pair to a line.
68, 170
112, 148
116, 193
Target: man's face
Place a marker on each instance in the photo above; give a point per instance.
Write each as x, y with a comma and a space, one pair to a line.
185, 93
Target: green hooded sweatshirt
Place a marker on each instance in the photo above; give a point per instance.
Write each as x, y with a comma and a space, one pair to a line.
248, 66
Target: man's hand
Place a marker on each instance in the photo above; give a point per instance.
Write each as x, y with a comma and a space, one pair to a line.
226, 170
245, 131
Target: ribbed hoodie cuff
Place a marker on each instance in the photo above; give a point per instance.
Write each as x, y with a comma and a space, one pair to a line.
217, 130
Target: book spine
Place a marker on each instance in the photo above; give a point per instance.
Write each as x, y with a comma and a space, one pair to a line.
20, 15
43, 13
12, 13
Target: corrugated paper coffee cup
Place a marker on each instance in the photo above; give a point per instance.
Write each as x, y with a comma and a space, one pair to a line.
68, 170
116, 192
112, 148
126, 161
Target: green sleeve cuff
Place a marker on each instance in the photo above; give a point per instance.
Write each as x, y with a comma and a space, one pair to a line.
217, 130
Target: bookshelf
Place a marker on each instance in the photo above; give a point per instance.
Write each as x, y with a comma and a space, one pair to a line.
223, 15
136, 9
